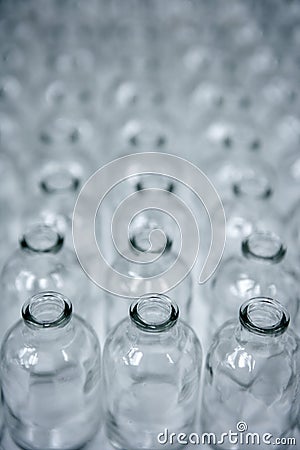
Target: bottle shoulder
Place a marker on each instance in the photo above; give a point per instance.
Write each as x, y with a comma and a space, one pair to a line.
47, 349
178, 345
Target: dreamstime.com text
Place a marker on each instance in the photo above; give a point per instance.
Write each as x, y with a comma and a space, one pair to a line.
240, 437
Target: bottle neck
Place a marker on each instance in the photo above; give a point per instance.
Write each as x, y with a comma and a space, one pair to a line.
154, 313
42, 239
263, 316
264, 247
47, 310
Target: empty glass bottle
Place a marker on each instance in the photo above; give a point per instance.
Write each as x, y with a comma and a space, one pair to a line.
249, 208
50, 366
54, 187
139, 273
9, 205
289, 176
260, 269
252, 376
292, 222
151, 367
42, 263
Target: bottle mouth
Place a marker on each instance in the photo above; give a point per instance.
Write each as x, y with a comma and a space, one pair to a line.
154, 313
47, 310
59, 182
264, 246
251, 186
264, 316
42, 239
145, 136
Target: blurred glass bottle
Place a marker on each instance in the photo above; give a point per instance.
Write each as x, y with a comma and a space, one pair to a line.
261, 269
42, 263
239, 160
138, 137
50, 364
252, 374
249, 208
54, 187
10, 205
289, 176
151, 365
165, 253
292, 223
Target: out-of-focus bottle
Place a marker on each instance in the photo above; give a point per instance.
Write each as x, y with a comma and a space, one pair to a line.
50, 364
10, 205
54, 187
42, 263
151, 365
252, 377
261, 269
138, 273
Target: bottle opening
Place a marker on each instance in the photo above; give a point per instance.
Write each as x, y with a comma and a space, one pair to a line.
264, 246
59, 181
252, 186
47, 310
154, 312
264, 316
42, 239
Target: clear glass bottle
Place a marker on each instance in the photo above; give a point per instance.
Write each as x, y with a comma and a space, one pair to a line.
250, 208
252, 376
50, 367
10, 205
289, 176
261, 269
42, 263
151, 368
292, 223
165, 253
54, 188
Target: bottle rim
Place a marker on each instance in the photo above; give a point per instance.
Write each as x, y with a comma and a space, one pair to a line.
48, 309
264, 246
42, 238
59, 181
264, 316
154, 313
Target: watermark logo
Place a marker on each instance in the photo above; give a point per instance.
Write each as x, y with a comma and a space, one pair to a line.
122, 170
239, 437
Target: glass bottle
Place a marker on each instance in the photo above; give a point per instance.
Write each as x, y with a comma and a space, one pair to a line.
151, 368
165, 254
50, 367
252, 376
250, 209
292, 223
55, 185
261, 269
238, 161
289, 176
139, 136
42, 263
10, 206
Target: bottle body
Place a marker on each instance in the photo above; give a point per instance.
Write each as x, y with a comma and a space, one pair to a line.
252, 378
151, 380
260, 270
51, 383
42, 263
